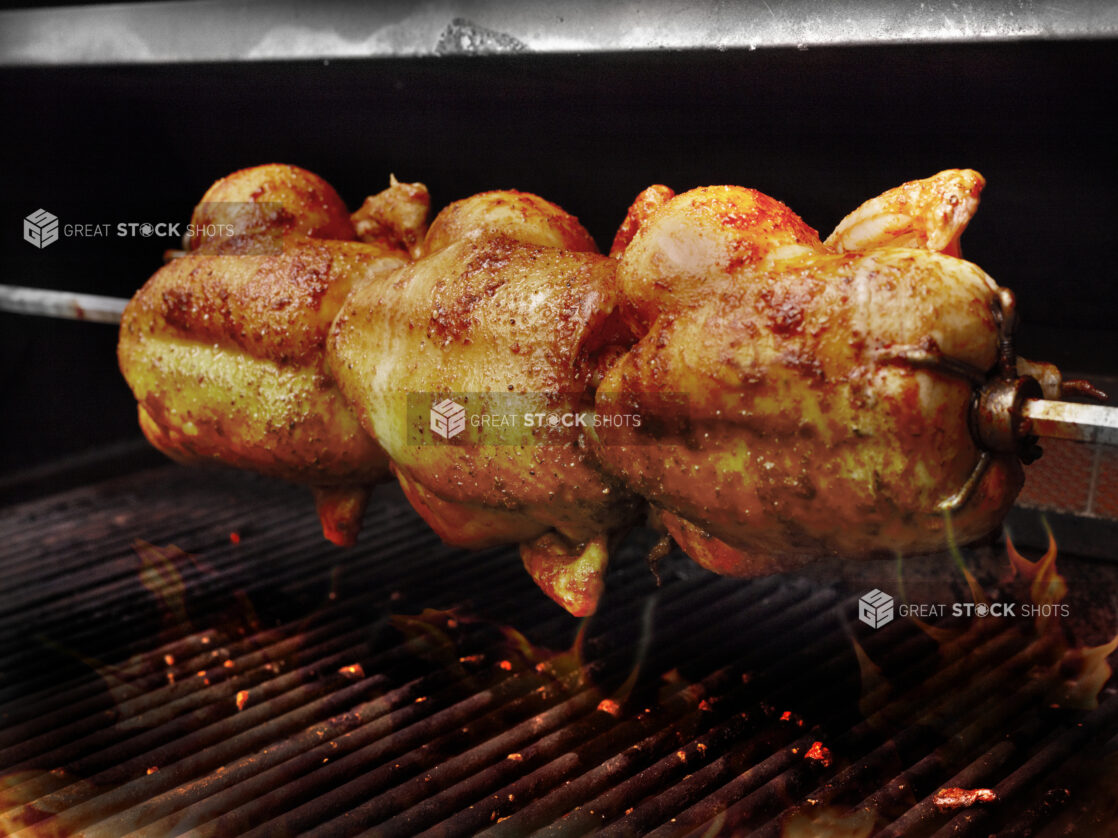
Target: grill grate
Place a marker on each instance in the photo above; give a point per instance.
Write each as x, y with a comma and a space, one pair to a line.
234, 674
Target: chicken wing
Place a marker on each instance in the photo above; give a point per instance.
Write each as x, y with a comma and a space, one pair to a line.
930, 213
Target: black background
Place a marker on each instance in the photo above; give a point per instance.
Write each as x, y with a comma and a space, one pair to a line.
820, 129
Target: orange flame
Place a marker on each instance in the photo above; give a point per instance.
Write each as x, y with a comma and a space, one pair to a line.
17, 812
1047, 587
159, 573
1070, 672
829, 822
876, 688
1079, 672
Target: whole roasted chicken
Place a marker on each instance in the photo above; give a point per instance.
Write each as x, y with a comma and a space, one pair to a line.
224, 347
509, 313
806, 398
772, 398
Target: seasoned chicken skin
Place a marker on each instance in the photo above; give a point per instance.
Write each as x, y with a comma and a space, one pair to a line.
930, 214
799, 402
790, 398
224, 347
508, 313
252, 208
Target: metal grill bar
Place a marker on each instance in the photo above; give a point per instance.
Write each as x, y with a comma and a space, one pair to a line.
1057, 750
778, 685
685, 709
368, 784
582, 734
658, 733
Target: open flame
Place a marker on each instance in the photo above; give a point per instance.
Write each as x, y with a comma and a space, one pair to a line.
829, 822
1077, 672
17, 811
436, 635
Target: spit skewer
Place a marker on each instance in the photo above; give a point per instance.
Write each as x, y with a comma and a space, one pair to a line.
1008, 413
65, 304
1070, 420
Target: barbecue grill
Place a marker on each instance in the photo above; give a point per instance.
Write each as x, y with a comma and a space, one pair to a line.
184, 654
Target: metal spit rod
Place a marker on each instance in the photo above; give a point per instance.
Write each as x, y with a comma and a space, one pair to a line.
1046, 417
64, 304
1069, 420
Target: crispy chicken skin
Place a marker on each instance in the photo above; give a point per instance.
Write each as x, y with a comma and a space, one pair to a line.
521, 216
642, 208
777, 379
930, 214
503, 315
700, 240
794, 398
224, 349
268, 202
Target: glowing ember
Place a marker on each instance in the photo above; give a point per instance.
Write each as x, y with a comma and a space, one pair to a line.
153, 769
952, 798
818, 752
169, 660
354, 672
242, 699
608, 705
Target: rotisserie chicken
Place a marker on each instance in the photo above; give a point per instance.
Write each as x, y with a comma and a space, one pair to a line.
793, 398
510, 311
806, 399
223, 347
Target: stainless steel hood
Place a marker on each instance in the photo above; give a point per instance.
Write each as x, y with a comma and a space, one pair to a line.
209, 30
